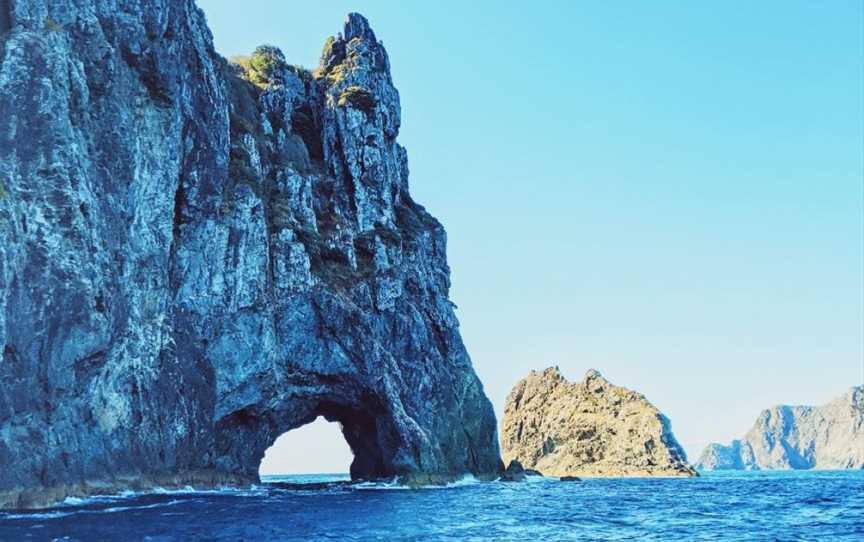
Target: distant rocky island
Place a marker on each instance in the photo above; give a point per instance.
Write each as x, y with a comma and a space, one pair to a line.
797, 437
587, 428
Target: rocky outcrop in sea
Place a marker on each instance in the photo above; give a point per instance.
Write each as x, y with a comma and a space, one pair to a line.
797, 437
587, 428
197, 256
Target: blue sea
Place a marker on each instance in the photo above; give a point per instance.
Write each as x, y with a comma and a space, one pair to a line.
780, 506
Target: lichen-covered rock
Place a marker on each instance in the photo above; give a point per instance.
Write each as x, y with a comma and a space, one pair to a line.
194, 260
588, 428
797, 437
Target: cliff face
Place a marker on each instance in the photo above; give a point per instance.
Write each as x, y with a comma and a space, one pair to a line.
588, 428
192, 264
798, 437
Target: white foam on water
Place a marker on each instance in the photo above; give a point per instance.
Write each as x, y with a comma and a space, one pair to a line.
133, 507
467, 480
185, 490
76, 505
55, 514
394, 484
251, 491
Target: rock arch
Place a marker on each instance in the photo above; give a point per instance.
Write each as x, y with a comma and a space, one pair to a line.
193, 263
243, 437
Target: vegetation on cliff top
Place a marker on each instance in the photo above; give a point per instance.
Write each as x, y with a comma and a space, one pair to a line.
266, 66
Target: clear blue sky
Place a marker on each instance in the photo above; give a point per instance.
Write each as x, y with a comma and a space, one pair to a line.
669, 192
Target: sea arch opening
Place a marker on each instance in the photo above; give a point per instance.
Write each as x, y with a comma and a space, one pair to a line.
245, 438
318, 447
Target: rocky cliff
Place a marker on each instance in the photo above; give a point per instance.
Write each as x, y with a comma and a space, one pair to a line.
798, 437
197, 257
588, 428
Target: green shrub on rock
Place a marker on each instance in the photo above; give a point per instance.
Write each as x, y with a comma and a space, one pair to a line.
263, 68
358, 98
268, 61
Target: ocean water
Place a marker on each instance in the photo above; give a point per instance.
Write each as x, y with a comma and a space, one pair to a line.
781, 506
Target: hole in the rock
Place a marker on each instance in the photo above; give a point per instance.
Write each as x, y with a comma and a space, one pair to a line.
315, 448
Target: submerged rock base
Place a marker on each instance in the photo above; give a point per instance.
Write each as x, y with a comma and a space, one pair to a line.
49, 496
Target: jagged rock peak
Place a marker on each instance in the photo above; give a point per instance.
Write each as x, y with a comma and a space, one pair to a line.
196, 257
359, 120
553, 373
594, 374
588, 428
357, 26
797, 437
358, 45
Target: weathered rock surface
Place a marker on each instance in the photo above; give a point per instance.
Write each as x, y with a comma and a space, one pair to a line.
588, 428
514, 472
192, 264
797, 437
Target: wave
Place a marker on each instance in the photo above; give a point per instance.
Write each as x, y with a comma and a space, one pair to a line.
37, 515
140, 507
467, 480
389, 485
395, 484
124, 500
251, 491
55, 514
96, 504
